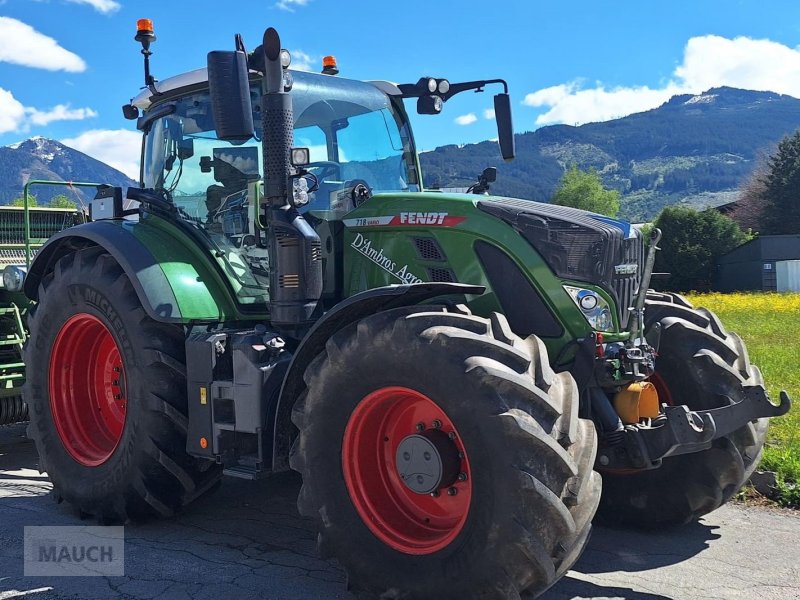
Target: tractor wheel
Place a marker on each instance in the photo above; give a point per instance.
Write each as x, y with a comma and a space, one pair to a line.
107, 395
703, 366
443, 458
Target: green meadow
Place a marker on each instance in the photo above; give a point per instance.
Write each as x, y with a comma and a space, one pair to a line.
769, 323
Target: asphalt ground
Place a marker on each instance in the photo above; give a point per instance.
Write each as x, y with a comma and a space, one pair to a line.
248, 541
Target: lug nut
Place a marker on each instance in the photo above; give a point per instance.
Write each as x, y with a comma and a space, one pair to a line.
420, 426
435, 493
460, 454
437, 424
462, 476
452, 435
452, 491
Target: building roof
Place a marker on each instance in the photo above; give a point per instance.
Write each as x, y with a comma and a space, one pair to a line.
765, 248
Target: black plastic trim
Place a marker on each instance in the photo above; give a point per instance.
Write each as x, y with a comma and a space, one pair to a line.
521, 302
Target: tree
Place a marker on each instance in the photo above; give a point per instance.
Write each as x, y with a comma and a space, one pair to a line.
21, 201
748, 210
62, 201
584, 189
782, 188
691, 244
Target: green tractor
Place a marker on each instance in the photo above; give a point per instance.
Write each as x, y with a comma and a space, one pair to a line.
451, 374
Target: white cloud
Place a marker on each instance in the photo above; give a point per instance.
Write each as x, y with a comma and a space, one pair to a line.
14, 116
595, 104
119, 148
708, 61
488, 113
60, 112
302, 61
466, 119
290, 5
21, 44
12, 112
104, 6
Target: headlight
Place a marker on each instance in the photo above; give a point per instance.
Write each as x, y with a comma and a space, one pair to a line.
13, 277
593, 306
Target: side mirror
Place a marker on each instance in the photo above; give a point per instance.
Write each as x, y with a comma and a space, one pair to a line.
505, 127
489, 174
229, 88
185, 148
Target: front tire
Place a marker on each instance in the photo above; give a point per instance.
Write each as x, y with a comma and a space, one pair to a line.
107, 390
515, 511
701, 365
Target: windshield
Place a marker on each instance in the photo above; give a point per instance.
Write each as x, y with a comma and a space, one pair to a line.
355, 133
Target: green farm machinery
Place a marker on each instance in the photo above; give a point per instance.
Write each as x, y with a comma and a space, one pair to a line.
23, 230
460, 379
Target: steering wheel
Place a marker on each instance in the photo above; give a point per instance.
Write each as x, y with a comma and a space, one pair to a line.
325, 166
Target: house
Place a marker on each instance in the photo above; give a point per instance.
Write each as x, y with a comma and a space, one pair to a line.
766, 263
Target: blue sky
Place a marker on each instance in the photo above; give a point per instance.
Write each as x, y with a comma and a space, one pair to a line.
67, 66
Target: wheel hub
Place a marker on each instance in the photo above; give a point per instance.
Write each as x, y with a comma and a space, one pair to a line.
427, 461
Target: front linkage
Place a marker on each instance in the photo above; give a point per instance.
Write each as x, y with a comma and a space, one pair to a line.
683, 431
654, 432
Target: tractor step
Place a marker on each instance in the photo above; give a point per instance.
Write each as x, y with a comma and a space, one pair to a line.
243, 472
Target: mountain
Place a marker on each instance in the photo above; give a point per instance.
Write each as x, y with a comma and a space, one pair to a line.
694, 150
41, 158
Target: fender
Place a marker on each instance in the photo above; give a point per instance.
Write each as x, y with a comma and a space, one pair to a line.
173, 283
346, 312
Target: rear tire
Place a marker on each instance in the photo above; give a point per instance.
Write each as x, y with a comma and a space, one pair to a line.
111, 433
699, 364
522, 516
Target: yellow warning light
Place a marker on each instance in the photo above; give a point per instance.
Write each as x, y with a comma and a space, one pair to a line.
329, 65
203, 443
144, 26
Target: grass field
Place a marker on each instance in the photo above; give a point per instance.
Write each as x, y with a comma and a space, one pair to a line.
770, 326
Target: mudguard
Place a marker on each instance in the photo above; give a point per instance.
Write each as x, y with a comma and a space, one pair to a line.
346, 312
175, 280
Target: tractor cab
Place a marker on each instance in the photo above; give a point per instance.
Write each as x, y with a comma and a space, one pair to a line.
359, 143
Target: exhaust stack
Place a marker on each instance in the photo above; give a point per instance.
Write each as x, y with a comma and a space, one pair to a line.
294, 247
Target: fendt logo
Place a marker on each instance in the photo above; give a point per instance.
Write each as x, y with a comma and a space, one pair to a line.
408, 219
422, 218
441, 219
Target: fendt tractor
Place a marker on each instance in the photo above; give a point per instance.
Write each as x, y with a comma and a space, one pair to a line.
451, 374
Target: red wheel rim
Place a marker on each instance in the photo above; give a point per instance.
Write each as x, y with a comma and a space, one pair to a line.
87, 389
404, 520
664, 395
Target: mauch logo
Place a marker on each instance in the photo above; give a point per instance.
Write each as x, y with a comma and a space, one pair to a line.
376, 255
75, 554
74, 551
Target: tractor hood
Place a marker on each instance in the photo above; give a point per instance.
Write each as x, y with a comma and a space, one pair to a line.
578, 245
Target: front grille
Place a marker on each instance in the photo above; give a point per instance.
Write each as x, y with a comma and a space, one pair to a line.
578, 245
626, 287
